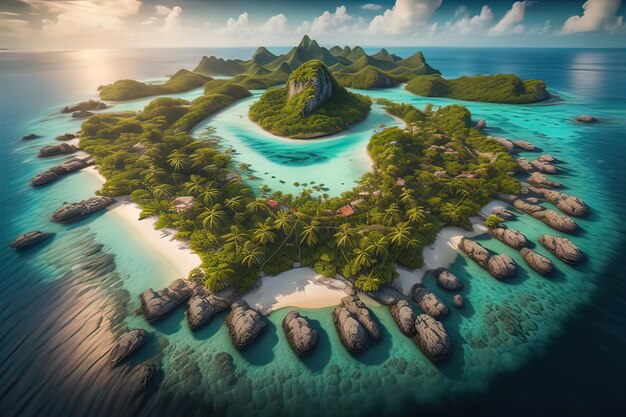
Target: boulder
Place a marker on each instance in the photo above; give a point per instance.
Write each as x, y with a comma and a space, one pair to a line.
156, 305
352, 334
203, 306
244, 324
524, 144
358, 309
447, 280
568, 204
502, 213
65, 136
301, 336
585, 118
429, 303
556, 221
538, 262
29, 239
544, 167
547, 158
404, 316
537, 178
504, 142
60, 149
481, 124
458, 301
126, 345
432, 338
85, 105
30, 137
146, 376
81, 114
502, 267
386, 296
524, 164
74, 211
475, 251
509, 237
58, 171
562, 248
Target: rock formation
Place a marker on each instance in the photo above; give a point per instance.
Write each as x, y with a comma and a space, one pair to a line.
562, 248
544, 167
244, 324
432, 338
459, 302
547, 158
429, 303
320, 82
146, 375
65, 136
156, 305
481, 124
568, 204
504, 142
352, 334
537, 178
538, 262
29, 239
54, 150
403, 314
81, 114
550, 217
58, 171
386, 295
301, 336
126, 345
357, 308
524, 144
585, 118
447, 280
203, 306
500, 266
85, 105
509, 237
74, 211
502, 213
524, 164
30, 137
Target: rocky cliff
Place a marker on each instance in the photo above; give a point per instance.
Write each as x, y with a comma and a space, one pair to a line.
310, 86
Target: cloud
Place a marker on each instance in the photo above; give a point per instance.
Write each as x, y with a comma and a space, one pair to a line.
597, 14
340, 21
372, 6
406, 16
275, 25
241, 25
172, 20
512, 20
466, 25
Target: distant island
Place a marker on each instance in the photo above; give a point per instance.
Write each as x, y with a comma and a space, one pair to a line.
310, 105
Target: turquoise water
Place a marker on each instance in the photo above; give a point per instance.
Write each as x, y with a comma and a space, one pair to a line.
61, 321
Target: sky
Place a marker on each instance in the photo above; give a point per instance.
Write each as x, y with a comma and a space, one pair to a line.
65, 24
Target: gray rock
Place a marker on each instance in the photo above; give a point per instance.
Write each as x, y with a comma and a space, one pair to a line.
524, 164
544, 167
352, 334
146, 376
58, 171
404, 316
386, 296
538, 262
547, 158
585, 118
157, 305
448, 281
322, 85
301, 336
502, 213
358, 309
481, 124
502, 267
524, 144
30, 137
66, 136
475, 251
568, 204
54, 150
85, 105
550, 217
537, 178
432, 338
126, 345
203, 306
74, 211
29, 239
429, 303
562, 248
504, 142
244, 324
510, 237
459, 302
81, 114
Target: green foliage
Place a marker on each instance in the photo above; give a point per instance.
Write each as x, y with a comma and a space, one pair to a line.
180, 82
501, 88
493, 221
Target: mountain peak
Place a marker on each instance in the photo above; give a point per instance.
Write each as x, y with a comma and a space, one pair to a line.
305, 42
314, 80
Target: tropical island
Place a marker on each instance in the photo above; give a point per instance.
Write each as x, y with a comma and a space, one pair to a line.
310, 105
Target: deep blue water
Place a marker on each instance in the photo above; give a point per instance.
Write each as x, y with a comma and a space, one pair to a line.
53, 339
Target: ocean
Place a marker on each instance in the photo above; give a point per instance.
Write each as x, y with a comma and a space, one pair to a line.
533, 346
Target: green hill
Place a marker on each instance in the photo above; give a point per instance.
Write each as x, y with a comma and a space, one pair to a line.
182, 81
310, 105
501, 88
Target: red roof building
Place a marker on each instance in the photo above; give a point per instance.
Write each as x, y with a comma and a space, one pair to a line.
273, 204
346, 211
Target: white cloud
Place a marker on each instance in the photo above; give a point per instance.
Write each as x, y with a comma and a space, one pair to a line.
466, 25
275, 25
328, 21
162, 10
406, 16
512, 20
597, 14
172, 20
540, 30
372, 6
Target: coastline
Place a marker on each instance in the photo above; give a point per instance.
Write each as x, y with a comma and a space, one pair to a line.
175, 252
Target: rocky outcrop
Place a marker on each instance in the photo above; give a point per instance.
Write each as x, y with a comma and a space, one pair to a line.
447, 280
568, 204
81, 114
29, 239
84, 106
502, 213
244, 324
126, 345
550, 217
547, 158
65, 136
562, 248
585, 118
71, 212
538, 262
458, 301
58, 171
404, 316
500, 266
429, 303
504, 142
358, 309
156, 305
481, 124
203, 306
524, 144
146, 376
544, 167
432, 338
315, 77
385, 295
509, 237
30, 137
301, 336
352, 334
524, 165
60, 149
537, 178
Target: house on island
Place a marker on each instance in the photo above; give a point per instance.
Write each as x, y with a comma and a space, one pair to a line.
183, 203
346, 211
400, 182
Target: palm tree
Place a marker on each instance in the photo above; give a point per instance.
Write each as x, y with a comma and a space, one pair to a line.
223, 276
309, 233
256, 206
392, 215
406, 196
415, 214
209, 192
379, 248
362, 258
195, 185
284, 222
265, 190
450, 212
236, 236
153, 173
251, 254
213, 217
344, 238
177, 160
263, 233
233, 203
400, 234
163, 191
